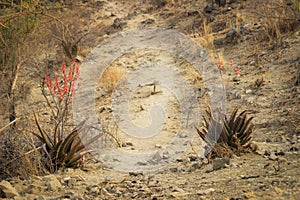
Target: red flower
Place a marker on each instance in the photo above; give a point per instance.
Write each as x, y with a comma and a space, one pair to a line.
48, 81
220, 64
74, 63
63, 68
238, 71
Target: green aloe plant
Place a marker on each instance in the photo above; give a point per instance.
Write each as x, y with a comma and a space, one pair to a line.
223, 135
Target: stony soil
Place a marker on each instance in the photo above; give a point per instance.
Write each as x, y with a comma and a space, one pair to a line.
269, 172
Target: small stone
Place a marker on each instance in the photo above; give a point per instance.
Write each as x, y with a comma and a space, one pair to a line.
147, 21
196, 166
173, 169
99, 3
248, 91
183, 135
166, 155
268, 140
235, 79
142, 163
273, 157
193, 158
158, 146
220, 163
267, 153
135, 173
156, 157
8, 190
279, 153
206, 191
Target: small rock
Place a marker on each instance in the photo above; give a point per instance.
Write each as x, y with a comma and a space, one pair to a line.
156, 157
158, 146
268, 140
183, 135
235, 79
118, 24
206, 191
279, 153
147, 21
142, 163
193, 158
52, 183
248, 91
220, 163
8, 190
166, 155
135, 173
173, 169
208, 9
196, 166
99, 3
273, 157
231, 34
267, 153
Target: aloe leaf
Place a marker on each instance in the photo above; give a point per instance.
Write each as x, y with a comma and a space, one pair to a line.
245, 125
232, 117
45, 136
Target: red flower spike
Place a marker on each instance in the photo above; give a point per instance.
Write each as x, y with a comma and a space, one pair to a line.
60, 94
77, 69
53, 89
48, 81
220, 64
70, 76
74, 63
63, 68
65, 87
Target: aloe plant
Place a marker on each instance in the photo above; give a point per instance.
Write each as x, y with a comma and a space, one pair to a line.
225, 136
63, 152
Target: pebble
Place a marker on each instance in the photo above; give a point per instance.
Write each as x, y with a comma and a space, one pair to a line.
273, 157
206, 191
173, 169
193, 158
220, 163
248, 91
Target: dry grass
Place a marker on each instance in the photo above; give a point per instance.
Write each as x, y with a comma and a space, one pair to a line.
206, 39
110, 78
279, 17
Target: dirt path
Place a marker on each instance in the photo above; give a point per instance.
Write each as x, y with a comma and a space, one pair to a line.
271, 172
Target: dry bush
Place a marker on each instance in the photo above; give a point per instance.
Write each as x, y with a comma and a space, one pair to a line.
18, 156
279, 17
111, 76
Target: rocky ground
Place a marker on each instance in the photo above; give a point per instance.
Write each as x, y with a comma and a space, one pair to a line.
265, 84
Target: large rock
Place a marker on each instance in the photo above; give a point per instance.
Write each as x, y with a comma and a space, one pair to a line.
8, 190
